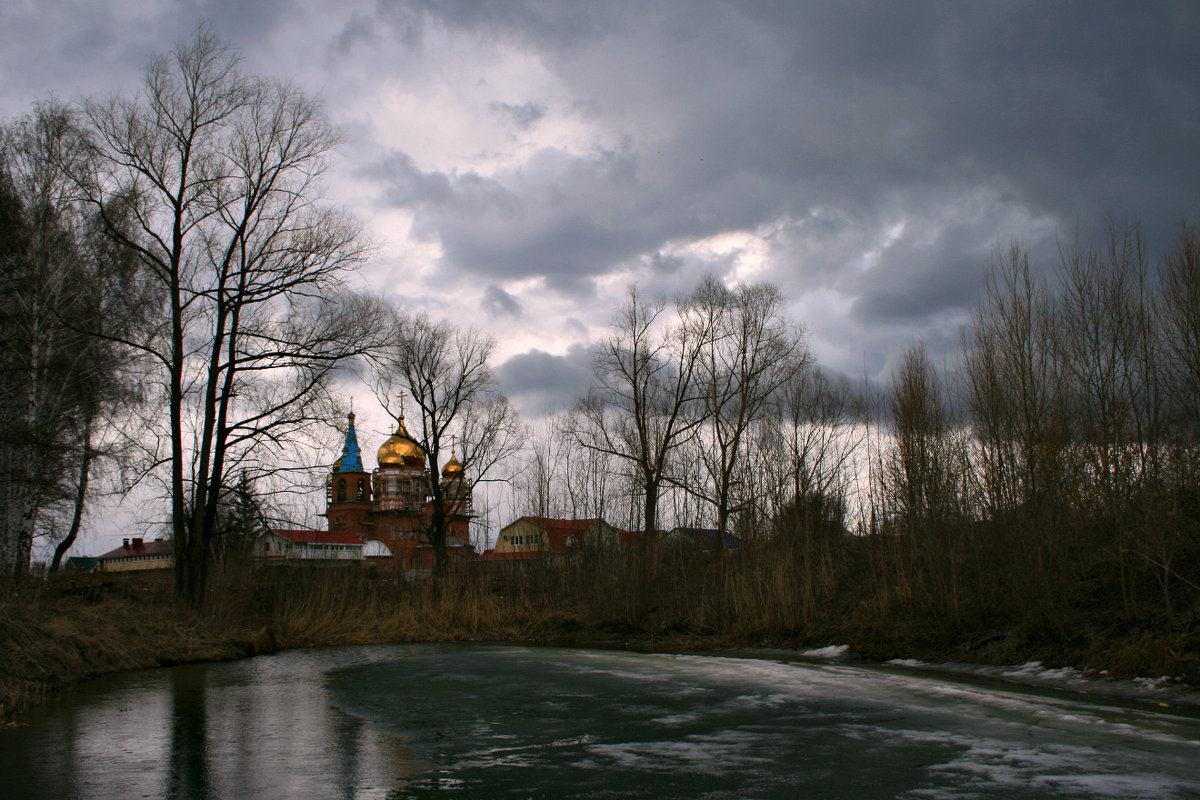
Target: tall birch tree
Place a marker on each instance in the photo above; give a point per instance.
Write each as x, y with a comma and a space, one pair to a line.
61, 289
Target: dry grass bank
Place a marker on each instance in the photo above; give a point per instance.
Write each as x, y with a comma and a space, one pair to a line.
54, 634
51, 636
67, 630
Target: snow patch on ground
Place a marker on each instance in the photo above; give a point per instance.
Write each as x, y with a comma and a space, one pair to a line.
832, 651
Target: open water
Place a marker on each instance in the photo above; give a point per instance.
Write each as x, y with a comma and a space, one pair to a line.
473, 720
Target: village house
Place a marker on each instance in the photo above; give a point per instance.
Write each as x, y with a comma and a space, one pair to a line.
83, 565
137, 554
290, 545
539, 537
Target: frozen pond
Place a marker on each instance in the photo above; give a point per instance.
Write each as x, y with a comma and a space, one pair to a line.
474, 720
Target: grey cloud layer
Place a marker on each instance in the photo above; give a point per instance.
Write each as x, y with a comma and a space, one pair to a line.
768, 110
881, 150
540, 382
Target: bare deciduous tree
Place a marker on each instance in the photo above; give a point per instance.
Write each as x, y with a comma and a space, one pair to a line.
925, 485
539, 481
446, 373
587, 475
748, 351
220, 172
1109, 371
1179, 315
820, 432
644, 403
1014, 389
920, 478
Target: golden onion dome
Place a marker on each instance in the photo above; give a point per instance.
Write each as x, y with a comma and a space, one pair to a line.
453, 468
400, 449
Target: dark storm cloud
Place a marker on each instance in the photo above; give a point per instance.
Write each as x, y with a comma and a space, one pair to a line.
523, 116
358, 30
1077, 109
825, 124
562, 217
544, 24
917, 278
84, 33
500, 303
539, 382
407, 185
664, 264
236, 20
1061, 111
78, 48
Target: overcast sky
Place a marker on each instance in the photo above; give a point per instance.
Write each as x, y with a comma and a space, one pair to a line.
522, 163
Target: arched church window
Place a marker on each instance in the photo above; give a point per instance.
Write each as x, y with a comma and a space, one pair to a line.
341, 490
362, 489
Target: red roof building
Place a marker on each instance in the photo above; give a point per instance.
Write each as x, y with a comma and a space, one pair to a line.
137, 554
536, 537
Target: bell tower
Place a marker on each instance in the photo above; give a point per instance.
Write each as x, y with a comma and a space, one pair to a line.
348, 488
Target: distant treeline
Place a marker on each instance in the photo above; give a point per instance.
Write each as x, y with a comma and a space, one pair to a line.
1046, 483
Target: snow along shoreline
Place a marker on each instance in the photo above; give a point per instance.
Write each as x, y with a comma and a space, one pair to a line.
1165, 693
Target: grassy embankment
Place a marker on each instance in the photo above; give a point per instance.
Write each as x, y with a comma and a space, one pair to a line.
57, 633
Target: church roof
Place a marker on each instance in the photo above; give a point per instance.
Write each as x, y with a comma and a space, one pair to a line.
351, 460
453, 468
400, 449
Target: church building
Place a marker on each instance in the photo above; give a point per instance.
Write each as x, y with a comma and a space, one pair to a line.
390, 509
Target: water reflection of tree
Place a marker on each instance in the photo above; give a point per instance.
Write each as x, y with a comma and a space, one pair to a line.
187, 767
365, 753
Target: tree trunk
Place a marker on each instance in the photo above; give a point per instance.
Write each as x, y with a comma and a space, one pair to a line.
191, 565
85, 465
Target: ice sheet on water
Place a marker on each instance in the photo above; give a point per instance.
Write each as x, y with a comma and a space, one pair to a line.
717, 722
1164, 682
489, 721
889, 702
1055, 770
1165, 691
694, 754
